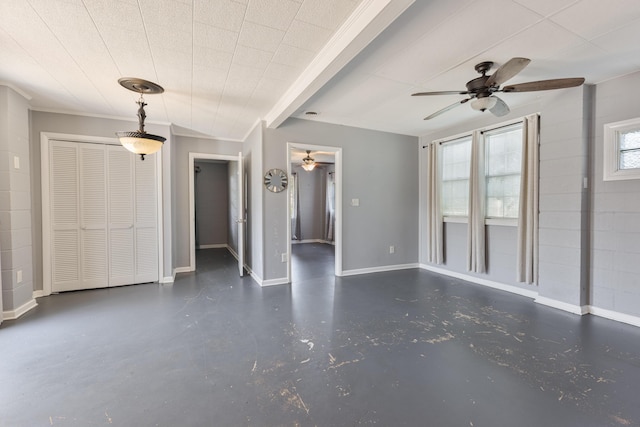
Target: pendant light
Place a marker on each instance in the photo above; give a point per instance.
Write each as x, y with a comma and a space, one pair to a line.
308, 163
140, 142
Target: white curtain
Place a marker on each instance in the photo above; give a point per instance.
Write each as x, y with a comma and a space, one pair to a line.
330, 211
295, 207
476, 229
434, 214
528, 212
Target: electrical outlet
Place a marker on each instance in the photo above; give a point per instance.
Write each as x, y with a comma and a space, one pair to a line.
392, 249
19, 276
283, 257
355, 202
16, 162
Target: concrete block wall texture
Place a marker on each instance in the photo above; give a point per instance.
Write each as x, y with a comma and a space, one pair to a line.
615, 221
15, 202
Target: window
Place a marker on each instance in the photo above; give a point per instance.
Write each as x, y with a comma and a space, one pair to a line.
503, 157
502, 164
622, 150
455, 164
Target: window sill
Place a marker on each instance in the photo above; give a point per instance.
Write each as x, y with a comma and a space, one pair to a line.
505, 222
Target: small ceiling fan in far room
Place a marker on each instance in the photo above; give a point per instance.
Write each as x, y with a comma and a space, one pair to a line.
481, 89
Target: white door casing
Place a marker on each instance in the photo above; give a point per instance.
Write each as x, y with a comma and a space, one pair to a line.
192, 210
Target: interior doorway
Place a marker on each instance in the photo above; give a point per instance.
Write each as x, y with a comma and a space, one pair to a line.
234, 218
314, 211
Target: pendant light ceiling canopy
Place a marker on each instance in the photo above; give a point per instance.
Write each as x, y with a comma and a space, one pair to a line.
140, 142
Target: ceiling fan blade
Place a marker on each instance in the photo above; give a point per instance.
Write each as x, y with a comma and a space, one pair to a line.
445, 109
442, 92
545, 85
508, 70
500, 109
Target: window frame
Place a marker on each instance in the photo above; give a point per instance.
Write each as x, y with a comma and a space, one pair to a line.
455, 219
458, 139
611, 170
501, 220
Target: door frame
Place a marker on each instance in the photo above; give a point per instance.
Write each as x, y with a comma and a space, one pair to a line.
45, 142
337, 152
192, 199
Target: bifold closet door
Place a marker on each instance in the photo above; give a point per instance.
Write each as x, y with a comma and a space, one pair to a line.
121, 212
103, 214
78, 216
146, 220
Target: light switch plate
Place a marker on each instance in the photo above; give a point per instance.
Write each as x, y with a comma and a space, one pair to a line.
355, 202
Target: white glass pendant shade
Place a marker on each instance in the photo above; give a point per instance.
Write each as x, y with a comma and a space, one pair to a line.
141, 142
485, 103
308, 166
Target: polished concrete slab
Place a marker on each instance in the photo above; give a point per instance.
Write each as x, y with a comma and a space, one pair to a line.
406, 348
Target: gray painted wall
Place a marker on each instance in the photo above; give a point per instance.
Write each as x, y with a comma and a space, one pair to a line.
615, 221
15, 202
90, 126
183, 146
212, 203
379, 168
312, 188
564, 138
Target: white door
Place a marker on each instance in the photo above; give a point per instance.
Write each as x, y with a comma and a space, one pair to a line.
103, 216
241, 221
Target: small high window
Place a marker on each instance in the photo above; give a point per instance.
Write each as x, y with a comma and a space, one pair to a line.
622, 150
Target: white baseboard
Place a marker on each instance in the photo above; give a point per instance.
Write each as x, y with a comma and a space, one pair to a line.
168, 279
564, 306
298, 242
379, 269
214, 246
37, 294
181, 270
275, 282
14, 314
480, 281
614, 315
232, 252
254, 276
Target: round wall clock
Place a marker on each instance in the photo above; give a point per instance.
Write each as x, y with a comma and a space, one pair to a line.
275, 180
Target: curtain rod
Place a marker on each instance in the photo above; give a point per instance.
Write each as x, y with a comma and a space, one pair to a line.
501, 127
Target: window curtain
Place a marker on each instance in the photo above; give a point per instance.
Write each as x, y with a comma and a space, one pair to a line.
330, 211
476, 229
435, 253
295, 207
528, 209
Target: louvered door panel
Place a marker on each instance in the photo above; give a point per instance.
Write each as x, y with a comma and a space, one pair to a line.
121, 213
146, 243
93, 216
146, 255
65, 239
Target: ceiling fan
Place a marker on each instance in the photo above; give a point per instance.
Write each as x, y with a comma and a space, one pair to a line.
481, 89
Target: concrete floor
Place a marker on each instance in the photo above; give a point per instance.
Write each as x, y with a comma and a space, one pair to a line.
406, 348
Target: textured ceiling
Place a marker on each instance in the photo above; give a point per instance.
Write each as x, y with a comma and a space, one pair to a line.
225, 64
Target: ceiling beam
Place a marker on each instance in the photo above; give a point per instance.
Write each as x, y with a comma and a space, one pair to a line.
369, 19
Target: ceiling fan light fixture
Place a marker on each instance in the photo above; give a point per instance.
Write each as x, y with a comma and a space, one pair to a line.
308, 163
484, 103
140, 142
